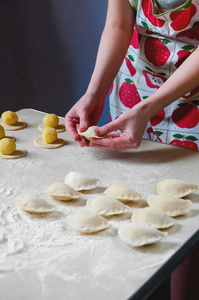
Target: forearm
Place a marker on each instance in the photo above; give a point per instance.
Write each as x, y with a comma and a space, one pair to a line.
182, 81
112, 49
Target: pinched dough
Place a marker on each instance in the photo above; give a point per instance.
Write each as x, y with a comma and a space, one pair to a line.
88, 222
80, 182
138, 235
106, 206
90, 133
62, 191
153, 217
35, 205
172, 206
175, 188
122, 193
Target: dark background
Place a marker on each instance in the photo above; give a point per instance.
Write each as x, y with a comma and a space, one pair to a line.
47, 52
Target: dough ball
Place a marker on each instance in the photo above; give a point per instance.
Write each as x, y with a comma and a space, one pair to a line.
7, 146
51, 120
2, 132
9, 117
49, 135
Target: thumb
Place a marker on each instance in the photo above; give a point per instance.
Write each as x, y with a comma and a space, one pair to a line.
109, 127
83, 122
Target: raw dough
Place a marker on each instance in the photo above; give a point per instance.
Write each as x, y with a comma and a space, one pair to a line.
153, 217
34, 205
90, 133
7, 146
51, 120
88, 222
49, 135
9, 117
42, 144
18, 153
18, 126
122, 193
175, 188
138, 235
172, 206
106, 206
81, 182
62, 191
59, 128
2, 132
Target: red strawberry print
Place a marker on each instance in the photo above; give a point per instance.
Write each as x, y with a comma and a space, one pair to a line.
192, 33
130, 67
148, 12
135, 40
156, 52
181, 19
186, 115
186, 142
153, 80
128, 94
183, 54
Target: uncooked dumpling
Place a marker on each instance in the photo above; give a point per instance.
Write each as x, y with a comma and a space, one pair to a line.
122, 193
172, 206
62, 191
105, 205
88, 222
80, 182
153, 217
138, 235
89, 133
175, 188
34, 205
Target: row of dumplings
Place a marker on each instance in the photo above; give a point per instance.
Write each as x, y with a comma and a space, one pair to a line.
145, 222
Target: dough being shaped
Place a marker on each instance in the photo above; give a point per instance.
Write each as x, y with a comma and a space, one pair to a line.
10, 121
88, 222
170, 205
137, 235
153, 217
49, 135
90, 133
106, 206
122, 193
62, 191
7, 146
80, 182
9, 117
51, 120
175, 188
2, 132
34, 205
42, 144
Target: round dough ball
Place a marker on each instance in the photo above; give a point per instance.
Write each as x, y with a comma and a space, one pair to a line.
9, 117
7, 146
51, 120
2, 132
49, 135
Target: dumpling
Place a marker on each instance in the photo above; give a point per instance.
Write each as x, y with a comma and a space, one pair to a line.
105, 205
80, 182
34, 205
175, 188
62, 191
89, 133
153, 217
138, 235
122, 193
88, 222
170, 205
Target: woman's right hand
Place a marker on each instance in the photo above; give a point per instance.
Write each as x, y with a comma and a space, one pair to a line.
85, 113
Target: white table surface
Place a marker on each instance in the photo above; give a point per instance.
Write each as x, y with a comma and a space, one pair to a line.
44, 259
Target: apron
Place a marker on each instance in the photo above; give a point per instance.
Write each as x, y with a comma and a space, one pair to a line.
159, 45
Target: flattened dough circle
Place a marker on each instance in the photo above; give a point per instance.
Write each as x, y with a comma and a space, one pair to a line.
41, 144
18, 126
18, 153
59, 128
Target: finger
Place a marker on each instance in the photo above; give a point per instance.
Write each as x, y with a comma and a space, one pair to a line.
104, 130
84, 122
71, 129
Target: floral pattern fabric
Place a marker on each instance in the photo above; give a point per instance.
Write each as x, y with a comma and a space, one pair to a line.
160, 44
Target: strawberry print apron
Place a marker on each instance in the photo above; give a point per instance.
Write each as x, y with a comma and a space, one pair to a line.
160, 44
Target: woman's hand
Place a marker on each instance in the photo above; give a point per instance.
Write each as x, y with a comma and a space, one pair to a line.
86, 112
131, 123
